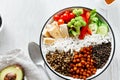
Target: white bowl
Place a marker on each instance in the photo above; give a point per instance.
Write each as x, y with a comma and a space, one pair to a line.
99, 71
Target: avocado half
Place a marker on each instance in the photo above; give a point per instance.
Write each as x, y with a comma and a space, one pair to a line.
12, 72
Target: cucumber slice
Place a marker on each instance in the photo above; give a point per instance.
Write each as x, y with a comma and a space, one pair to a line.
103, 29
93, 27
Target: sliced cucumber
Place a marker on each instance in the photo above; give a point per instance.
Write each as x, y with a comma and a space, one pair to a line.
103, 29
93, 27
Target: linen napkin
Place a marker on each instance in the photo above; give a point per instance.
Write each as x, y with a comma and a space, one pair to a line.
18, 57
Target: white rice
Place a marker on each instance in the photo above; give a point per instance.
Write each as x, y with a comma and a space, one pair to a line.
75, 43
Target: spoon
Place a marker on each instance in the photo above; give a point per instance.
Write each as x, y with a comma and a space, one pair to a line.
35, 55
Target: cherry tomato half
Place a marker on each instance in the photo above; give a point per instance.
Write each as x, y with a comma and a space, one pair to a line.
66, 17
60, 21
56, 17
67, 12
71, 15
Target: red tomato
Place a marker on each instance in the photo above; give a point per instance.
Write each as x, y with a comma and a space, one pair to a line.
67, 12
56, 17
71, 15
66, 17
60, 21
61, 17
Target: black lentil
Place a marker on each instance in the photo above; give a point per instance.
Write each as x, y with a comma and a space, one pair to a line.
101, 53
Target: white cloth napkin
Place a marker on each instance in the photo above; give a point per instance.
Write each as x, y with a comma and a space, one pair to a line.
18, 57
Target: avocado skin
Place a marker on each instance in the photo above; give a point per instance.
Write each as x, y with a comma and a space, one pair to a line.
14, 65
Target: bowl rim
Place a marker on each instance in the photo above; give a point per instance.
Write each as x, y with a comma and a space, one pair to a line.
88, 9
1, 26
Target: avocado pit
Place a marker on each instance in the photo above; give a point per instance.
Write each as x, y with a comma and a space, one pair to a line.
10, 76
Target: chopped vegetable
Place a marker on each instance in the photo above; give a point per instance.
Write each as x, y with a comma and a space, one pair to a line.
71, 15
93, 27
56, 17
86, 16
78, 12
64, 30
97, 25
66, 17
82, 66
60, 21
93, 13
84, 31
75, 25
78, 18
103, 29
74, 33
72, 21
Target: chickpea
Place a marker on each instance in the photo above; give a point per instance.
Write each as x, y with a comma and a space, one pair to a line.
90, 47
71, 70
79, 64
75, 53
81, 77
82, 70
82, 62
93, 72
85, 55
88, 72
76, 56
74, 61
95, 69
80, 55
82, 65
77, 71
82, 49
84, 73
71, 65
84, 77
87, 75
77, 60
73, 76
88, 52
88, 59
75, 68
87, 65
89, 56
92, 60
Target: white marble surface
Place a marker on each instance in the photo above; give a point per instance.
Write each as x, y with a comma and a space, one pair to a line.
23, 20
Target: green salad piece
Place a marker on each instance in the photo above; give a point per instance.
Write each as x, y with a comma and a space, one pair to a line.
97, 25
103, 29
78, 12
75, 24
